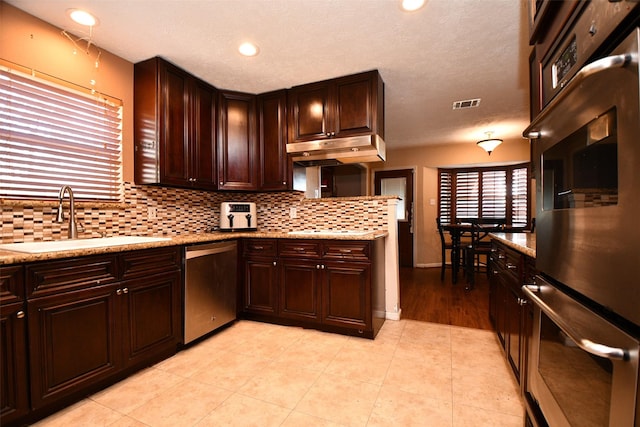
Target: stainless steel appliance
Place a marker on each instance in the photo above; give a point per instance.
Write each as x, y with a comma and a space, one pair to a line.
238, 216
210, 287
583, 357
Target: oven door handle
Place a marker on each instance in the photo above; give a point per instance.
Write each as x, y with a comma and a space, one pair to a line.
600, 350
607, 63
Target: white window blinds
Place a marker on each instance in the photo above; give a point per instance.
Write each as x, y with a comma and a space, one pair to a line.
487, 193
52, 136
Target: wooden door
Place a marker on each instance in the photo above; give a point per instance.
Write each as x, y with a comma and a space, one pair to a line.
237, 148
400, 183
300, 289
347, 295
309, 116
74, 342
261, 287
275, 167
203, 136
174, 126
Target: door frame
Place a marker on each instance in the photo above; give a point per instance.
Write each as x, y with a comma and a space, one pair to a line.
414, 209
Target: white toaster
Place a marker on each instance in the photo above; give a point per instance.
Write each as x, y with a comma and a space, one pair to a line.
238, 216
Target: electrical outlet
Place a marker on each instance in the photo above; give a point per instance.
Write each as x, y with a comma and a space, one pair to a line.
293, 213
152, 212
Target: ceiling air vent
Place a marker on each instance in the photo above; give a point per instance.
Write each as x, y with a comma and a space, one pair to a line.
468, 103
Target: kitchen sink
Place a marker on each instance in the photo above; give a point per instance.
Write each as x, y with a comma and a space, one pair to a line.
75, 244
330, 233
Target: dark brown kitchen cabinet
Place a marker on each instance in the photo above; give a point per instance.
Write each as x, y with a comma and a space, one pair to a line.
346, 106
14, 390
275, 167
237, 144
260, 293
91, 319
324, 284
508, 307
174, 127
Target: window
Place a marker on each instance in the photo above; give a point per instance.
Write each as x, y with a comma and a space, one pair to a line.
487, 193
52, 136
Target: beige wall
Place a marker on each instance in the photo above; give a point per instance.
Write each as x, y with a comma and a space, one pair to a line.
37, 45
425, 161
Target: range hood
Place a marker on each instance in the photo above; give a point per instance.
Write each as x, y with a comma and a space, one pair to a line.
356, 149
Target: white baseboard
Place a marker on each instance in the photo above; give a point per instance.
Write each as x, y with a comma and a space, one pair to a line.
393, 315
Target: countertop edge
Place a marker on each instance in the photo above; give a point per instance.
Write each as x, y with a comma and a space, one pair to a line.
9, 258
524, 243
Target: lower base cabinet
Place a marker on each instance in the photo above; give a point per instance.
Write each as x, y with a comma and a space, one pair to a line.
329, 285
92, 321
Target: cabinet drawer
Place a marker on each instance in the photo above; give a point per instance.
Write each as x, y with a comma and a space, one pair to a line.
11, 285
260, 247
69, 274
299, 248
513, 263
346, 250
145, 262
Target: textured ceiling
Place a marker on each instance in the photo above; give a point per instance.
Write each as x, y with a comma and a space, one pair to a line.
447, 51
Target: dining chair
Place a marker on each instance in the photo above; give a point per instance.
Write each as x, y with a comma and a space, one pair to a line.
444, 247
480, 247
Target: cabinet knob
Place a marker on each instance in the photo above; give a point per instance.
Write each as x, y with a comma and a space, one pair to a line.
317, 266
119, 292
511, 266
284, 182
274, 263
125, 291
322, 266
20, 314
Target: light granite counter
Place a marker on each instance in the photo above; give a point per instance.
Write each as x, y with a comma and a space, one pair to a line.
9, 257
522, 242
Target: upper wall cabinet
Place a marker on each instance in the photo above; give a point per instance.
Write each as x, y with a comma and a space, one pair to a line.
237, 147
174, 127
346, 106
275, 167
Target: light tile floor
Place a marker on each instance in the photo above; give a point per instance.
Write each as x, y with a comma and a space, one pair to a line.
257, 374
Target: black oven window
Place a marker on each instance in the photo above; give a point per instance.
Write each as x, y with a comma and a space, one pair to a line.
579, 381
581, 171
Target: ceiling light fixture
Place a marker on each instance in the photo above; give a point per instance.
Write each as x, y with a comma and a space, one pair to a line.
412, 5
489, 144
248, 49
82, 17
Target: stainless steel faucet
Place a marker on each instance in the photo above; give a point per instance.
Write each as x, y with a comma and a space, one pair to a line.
73, 228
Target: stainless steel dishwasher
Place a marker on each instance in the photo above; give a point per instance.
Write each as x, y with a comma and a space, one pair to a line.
210, 287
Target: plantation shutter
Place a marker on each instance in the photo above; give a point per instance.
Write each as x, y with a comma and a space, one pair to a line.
446, 180
519, 196
467, 194
52, 136
494, 194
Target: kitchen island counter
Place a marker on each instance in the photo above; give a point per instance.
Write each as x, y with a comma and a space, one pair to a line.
10, 257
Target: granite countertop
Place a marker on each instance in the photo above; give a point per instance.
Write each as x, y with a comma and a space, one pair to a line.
9, 257
522, 242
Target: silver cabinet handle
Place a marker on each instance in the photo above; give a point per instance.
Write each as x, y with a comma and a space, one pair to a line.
317, 266
511, 266
20, 314
615, 61
587, 345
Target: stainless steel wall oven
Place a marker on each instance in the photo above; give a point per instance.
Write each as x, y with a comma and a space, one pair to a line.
583, 355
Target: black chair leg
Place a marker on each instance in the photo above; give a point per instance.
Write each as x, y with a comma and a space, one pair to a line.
470, 268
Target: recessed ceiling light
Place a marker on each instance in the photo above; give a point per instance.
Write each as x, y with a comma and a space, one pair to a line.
411, 5
248, 49
82, 17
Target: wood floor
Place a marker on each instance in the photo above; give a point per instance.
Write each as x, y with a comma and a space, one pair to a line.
424, 297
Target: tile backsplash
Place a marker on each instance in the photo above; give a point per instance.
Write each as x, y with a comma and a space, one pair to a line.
162, 211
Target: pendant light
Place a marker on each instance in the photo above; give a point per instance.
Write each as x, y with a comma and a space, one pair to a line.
489, 144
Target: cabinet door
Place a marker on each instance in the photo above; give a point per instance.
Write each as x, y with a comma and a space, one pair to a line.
346, 295
151, 317
355, 112
309, 114
237, 148
174, 125
261, 286
203, 139
73, 340
14, 391
275, 166
513, 326
300, 289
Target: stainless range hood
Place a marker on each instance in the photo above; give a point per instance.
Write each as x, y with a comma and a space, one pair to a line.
356, 149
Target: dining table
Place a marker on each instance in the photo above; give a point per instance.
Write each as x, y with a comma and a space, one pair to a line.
461, 229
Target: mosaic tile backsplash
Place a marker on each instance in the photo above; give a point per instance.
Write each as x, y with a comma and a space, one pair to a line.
182, 211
